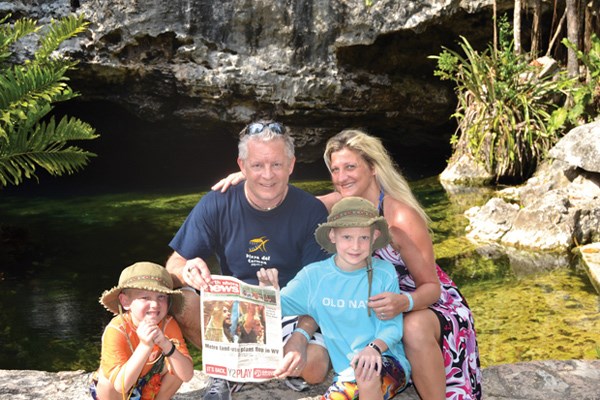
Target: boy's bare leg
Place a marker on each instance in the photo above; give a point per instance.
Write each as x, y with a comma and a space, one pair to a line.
169, 386
105, 390
371, 389
317, 364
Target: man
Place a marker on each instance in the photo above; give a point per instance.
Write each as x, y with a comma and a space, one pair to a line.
264, 222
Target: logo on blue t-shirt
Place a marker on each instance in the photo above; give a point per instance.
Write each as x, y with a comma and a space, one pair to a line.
258, 244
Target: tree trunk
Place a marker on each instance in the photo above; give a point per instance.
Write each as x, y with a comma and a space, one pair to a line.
589, 26
556, 33
536, 35
517, 26
495, 16
573, 36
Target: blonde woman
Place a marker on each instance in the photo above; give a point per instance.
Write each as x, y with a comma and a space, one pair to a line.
439, 333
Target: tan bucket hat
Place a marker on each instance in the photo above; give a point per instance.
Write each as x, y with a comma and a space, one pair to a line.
352, 212
145, 276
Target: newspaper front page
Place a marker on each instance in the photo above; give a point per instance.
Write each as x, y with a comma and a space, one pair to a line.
241, 330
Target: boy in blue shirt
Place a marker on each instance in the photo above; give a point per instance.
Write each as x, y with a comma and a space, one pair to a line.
366, 352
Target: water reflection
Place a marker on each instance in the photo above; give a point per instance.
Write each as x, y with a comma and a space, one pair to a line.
61, 253
57, 318
525, 262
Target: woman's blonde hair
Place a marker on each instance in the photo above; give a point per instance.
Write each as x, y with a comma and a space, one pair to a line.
371, 149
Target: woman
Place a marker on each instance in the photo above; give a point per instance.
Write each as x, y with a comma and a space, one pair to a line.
436, 317
439, 333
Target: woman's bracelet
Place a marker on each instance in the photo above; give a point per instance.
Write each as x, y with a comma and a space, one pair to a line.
170, 353
411, 302
303, 332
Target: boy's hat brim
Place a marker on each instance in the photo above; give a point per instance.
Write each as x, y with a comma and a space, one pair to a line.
144, 276
352, 212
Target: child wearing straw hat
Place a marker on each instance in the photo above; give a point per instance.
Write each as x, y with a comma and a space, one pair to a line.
144, 355
366, 352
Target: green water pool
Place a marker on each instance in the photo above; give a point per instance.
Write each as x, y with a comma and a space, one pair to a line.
60, 252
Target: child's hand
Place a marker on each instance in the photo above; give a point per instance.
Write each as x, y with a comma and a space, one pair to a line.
366, 364
268, 277
161, 341
147, 332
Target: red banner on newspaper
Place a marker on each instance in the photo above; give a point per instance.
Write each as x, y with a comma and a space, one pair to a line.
224, 286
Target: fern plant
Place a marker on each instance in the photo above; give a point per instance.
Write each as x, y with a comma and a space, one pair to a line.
29, 136
508, 116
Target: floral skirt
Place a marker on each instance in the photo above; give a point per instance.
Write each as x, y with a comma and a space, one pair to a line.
459, 341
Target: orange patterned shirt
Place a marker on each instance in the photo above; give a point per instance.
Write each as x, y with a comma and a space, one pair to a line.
116, 350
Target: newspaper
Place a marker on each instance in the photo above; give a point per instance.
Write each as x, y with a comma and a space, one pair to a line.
241, 330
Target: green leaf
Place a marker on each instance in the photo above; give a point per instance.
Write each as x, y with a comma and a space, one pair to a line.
28, 138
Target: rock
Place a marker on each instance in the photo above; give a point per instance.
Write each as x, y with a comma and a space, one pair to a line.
325, 64
590, 255
580, 148
492, 221
545, 225
543, 380
522, 262
462, 169
555, 210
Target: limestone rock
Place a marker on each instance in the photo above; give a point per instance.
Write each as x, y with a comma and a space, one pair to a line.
464, 170
325, 64
492, 221
545, 225
580, 148
537, 380
558, 208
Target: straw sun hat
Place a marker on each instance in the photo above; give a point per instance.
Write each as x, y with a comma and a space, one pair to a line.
145, 276
352, 212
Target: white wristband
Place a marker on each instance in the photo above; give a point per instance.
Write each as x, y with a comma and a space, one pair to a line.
411, 302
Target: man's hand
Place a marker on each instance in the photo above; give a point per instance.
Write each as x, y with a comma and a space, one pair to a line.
268, 277
196, 274
294, 359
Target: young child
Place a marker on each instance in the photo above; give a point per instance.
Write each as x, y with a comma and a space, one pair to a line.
144, 355
366, 352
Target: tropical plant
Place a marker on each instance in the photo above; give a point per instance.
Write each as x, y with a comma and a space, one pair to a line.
29, 136
507, 112
586, 97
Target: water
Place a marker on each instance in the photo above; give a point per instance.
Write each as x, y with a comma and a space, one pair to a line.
59, 252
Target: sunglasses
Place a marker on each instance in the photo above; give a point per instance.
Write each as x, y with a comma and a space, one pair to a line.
257, 127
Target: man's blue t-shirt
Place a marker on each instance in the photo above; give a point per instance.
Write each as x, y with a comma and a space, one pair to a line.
245, 239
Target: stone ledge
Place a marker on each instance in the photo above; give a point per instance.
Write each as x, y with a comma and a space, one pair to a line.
590, 254
536, 380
